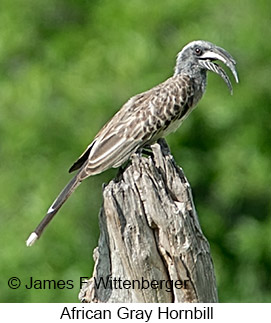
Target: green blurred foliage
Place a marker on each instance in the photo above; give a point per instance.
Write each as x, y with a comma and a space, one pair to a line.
66, 66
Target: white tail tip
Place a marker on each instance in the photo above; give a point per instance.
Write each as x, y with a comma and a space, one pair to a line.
31, 240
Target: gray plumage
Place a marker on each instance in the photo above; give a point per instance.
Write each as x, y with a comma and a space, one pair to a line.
147, 117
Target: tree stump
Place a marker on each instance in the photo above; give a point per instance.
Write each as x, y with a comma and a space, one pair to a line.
150, 238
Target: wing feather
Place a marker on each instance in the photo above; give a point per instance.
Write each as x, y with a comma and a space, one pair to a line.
141, 119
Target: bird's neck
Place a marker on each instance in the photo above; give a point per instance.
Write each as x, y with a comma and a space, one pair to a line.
196, 74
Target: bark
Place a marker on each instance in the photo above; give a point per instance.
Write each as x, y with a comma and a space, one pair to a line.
150, 234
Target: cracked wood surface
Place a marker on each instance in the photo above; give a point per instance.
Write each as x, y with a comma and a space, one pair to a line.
149, 230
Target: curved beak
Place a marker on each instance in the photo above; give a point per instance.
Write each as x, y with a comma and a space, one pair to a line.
220, 54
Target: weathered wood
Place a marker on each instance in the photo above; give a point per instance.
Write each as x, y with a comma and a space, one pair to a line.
150, 231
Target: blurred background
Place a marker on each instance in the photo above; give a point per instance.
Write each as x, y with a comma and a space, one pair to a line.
66, 66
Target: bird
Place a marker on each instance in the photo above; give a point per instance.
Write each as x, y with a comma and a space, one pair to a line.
146, 117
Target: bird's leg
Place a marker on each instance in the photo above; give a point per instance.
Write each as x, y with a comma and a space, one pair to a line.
163, 143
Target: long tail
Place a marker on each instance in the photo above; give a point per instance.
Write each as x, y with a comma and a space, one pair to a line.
59, 201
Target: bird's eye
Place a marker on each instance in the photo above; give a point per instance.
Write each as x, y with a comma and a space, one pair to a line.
198, 51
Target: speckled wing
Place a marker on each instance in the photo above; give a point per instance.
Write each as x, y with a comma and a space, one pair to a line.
142, 120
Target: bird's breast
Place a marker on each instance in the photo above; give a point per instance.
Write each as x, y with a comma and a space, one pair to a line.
173, 122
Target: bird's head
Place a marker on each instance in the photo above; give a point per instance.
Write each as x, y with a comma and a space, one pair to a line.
200, 56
